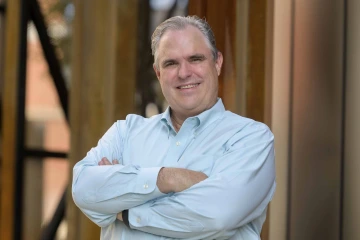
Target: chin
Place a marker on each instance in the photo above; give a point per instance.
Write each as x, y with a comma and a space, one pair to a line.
189, 107
192, 111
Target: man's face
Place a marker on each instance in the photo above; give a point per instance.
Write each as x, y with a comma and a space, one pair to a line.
187, 71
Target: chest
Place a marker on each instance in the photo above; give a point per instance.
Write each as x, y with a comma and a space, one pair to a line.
189, 149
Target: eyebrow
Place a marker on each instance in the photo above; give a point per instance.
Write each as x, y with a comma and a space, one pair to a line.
195, 56
202, 56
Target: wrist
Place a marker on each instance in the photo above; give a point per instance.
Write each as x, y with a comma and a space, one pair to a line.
164, 181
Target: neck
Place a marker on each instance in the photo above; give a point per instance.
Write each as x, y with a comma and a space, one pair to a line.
176, 121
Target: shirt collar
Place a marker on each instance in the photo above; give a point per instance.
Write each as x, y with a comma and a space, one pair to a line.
205, 118
212, 114
166, 120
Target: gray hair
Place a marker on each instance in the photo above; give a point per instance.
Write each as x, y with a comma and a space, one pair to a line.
179, 23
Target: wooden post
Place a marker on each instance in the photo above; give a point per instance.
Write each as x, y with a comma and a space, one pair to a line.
9, 128
221, 15
33, 189
242, 30
103, 83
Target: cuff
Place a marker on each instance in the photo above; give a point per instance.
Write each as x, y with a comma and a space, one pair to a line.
146, 182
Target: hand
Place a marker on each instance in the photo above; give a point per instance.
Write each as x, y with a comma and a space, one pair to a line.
104, 161
178, 179
119, 216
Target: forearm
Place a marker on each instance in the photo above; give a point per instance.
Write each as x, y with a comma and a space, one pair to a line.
178, 179
103, 191
171, 180
198, 213
237, 193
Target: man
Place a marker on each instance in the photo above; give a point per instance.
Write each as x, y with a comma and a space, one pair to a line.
194, 172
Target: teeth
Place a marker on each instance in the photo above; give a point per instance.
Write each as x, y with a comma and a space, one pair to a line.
189, 86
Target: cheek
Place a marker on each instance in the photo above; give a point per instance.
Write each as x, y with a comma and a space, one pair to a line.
165, 85
166, 77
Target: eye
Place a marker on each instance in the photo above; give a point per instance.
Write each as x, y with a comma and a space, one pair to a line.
169, 63
196, 58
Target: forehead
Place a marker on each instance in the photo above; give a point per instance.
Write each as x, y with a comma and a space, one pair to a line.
189, 40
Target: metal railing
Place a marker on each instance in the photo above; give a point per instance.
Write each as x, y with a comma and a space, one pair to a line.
30, 11
2, 8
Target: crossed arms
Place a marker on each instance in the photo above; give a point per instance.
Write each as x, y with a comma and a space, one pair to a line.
179, 203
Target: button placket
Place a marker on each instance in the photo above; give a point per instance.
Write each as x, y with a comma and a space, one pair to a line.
181, 140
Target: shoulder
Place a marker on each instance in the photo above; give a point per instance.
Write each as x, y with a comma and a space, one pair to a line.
135, 122
131, 126
243, 122
246, 128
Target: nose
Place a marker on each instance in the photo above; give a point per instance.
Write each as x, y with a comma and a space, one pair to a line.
184, 70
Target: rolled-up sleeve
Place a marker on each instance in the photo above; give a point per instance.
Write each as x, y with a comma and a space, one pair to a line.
103, 191
237, 192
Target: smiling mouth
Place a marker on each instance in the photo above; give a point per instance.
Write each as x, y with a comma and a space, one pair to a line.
189, 86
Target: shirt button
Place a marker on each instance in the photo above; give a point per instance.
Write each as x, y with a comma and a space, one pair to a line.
138, 220
146, 186
178, 143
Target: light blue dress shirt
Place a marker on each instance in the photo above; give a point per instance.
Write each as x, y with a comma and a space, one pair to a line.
236, 153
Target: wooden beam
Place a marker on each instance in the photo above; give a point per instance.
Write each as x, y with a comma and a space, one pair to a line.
255, 81
259, 80
9, 120
222, 17
242, 30
103, 83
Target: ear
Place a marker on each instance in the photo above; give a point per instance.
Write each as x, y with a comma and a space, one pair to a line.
218, 63
157, 71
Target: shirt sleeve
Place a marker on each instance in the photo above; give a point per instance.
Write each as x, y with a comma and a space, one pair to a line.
103, 191
236, 193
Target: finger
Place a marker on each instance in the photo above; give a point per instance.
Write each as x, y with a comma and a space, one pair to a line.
119, 216
115, 161
107, 162
102, 162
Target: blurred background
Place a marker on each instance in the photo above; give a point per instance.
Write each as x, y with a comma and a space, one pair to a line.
70, 68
